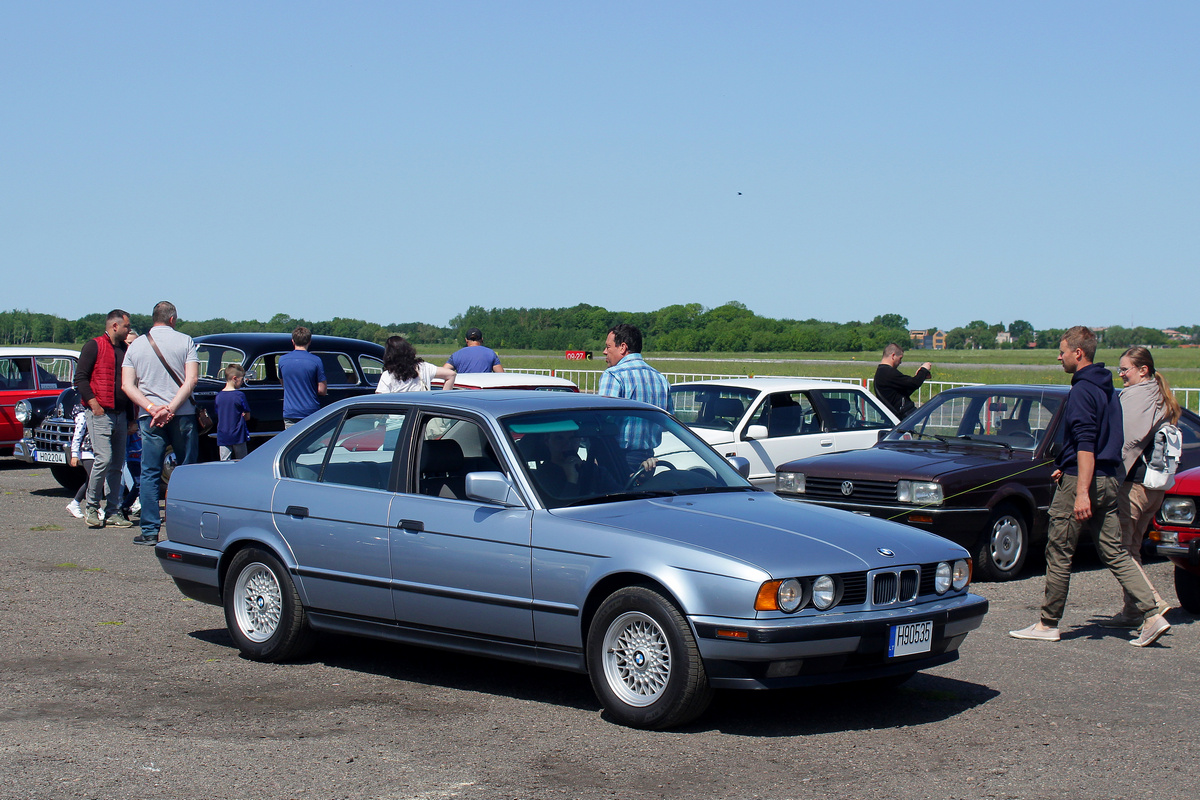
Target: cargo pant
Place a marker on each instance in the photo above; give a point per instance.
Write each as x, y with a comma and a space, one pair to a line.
1105, 526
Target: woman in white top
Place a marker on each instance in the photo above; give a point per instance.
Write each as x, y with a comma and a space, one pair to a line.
1146, 403
405, 371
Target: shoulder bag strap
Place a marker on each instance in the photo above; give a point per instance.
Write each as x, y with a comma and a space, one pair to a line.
157, 352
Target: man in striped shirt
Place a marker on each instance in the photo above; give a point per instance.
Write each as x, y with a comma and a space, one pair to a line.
629, 376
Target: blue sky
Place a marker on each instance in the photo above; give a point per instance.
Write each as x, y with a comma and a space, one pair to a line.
398, 161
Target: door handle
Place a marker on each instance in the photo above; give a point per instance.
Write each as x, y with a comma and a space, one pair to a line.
414, 525
297, 511
827, 443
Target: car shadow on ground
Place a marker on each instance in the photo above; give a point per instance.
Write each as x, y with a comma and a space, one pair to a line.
923, 699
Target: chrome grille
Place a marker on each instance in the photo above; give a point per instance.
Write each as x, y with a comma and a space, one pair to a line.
54, 435
862, 491
889, 587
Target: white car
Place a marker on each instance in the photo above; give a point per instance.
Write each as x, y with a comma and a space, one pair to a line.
770, 421
510, 380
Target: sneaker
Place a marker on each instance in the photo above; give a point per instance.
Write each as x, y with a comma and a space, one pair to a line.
146, 540
1153, 628
1122, 620
1163, 608
136, 508
1033, 632
93, 518
119, 520
74, 510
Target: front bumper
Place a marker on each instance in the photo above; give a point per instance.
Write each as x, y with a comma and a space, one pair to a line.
831, 648
25, 450
962, 526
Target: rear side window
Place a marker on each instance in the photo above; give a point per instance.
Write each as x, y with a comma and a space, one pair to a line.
339, 369
355, 450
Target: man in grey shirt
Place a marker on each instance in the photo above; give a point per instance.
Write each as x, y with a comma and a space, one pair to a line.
158, 376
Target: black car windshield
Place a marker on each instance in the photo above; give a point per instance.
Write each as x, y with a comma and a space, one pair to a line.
594, 456
1018, 421
715, 407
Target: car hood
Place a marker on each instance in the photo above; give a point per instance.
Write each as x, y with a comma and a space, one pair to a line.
1187, 482
781, 537
893, 462
713, 437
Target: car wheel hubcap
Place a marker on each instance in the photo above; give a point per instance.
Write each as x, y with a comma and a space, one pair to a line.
258, 602
1006, 543
637, 659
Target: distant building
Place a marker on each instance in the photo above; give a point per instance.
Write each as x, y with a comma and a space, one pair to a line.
927, 340
1175, 335
1004, 337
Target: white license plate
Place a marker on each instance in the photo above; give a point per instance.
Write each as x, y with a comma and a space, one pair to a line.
51, 457
909, 638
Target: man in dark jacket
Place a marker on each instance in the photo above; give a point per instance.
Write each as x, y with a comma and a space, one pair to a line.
1090, 457
98, 381
893, 387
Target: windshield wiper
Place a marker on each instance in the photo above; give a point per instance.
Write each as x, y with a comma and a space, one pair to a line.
972, 439
619, 496
716, 489
921, 433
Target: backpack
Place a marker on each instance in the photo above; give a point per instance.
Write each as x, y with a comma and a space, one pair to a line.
1162, 457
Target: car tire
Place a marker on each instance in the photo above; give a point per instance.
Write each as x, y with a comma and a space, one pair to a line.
643, 661
1187, 589
68, 477
263, 610
1004, 546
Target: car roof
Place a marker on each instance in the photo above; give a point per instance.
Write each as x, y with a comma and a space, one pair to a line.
499, 380
283, 341
38, 351
769, 384
499, 402
1010, 388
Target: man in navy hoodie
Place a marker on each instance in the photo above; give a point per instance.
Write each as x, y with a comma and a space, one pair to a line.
1090, 457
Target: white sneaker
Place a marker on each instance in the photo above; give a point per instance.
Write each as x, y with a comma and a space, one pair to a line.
74, 510
102, 514
136, 508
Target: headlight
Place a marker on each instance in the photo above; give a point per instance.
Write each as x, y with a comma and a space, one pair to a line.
824, 592
790, 595
942, 578
23, 412
962, 574
1178, 510
792, 482
925, 493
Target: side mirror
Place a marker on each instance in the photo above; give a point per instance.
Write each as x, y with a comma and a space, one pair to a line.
742, 465
492, 487
756, 432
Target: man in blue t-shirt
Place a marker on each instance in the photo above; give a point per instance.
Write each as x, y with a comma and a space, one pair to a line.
475, 357
303, 378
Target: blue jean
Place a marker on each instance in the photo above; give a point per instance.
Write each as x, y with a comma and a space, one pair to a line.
180, 434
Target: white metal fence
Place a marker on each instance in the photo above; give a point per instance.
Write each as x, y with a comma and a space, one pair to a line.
588, 380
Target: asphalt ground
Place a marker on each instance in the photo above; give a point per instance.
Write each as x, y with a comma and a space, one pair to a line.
116, 686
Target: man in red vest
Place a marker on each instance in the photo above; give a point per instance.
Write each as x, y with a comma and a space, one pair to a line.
98, 381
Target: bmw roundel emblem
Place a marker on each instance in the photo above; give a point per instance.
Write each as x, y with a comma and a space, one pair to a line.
847, 488
883, 551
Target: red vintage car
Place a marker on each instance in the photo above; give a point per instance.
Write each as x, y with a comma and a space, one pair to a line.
1176, 534
29, 373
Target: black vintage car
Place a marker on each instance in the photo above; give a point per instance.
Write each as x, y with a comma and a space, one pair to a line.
972, 465
352, 367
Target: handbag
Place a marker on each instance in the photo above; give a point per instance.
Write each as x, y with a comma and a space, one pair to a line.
204, 420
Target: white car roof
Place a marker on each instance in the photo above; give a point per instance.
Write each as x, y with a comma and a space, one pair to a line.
772, 384
38, 351
508, 380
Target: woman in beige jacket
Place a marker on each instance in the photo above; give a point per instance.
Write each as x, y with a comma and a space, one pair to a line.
1146, 403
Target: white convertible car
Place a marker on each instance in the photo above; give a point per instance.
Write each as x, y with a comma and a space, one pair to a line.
770, 421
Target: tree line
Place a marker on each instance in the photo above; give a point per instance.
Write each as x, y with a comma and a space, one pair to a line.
689, 328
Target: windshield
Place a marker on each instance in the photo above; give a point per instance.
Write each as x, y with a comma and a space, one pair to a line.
592, 456
717, 408
1003, 420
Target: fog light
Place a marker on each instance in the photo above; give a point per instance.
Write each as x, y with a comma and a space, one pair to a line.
784, 669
